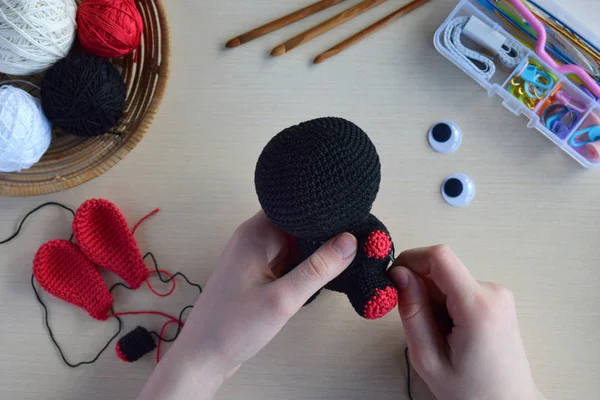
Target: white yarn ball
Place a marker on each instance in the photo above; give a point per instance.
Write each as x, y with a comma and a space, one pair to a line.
25, 133
34, 34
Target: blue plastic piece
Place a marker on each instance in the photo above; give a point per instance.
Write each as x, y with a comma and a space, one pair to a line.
593, 133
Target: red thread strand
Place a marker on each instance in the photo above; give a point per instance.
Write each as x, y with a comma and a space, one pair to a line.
120, 314
162, 332
162, 271
155, 211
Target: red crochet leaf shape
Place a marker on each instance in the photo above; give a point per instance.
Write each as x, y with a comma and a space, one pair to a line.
63, 271
102, 234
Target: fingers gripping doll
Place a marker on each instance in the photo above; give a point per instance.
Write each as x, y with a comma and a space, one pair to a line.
318, 179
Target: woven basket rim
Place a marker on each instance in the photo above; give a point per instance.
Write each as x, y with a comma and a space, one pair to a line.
120, 153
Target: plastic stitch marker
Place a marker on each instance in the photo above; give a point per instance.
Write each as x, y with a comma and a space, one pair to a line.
533, 94
560, 119
534, 76
529, 74
593, 133
570, 101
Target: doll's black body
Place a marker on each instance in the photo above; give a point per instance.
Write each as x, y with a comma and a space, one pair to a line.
364, 281
318, 179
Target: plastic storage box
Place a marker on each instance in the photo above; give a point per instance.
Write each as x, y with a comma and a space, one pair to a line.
559, 90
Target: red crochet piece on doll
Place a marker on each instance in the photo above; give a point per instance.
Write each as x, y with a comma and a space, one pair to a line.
378, 245
382, 303
63, 271
120, 353
104, 237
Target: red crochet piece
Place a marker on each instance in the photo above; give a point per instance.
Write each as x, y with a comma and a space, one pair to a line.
104, 237
120, 353
378, 245
63, 271
382, 303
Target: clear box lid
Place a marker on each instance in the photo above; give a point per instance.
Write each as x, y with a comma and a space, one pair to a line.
573, 23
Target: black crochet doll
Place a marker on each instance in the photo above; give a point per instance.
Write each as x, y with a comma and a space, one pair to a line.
318, 179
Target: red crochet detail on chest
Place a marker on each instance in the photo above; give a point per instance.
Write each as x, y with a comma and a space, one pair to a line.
103, 235
63, 271
382, 303
378, 245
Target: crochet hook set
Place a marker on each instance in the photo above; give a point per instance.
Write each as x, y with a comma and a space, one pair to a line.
325, 26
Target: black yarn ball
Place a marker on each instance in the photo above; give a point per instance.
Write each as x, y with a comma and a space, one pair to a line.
135, 345
316, 179
83, 95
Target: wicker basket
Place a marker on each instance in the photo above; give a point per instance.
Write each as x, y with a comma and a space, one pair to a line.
73, 160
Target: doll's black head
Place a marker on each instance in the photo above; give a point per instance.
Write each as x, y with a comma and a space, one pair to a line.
319, 178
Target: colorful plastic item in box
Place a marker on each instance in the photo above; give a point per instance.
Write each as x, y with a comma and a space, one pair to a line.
557, 105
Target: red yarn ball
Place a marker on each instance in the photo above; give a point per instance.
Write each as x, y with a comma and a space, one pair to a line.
109, 28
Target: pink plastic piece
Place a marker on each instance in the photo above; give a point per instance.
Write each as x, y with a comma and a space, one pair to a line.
540, 49
565, 98
592, 151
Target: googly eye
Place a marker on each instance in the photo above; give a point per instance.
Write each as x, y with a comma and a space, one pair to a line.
445, 137
458, 190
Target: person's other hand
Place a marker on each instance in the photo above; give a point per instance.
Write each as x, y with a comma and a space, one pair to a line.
245, 302
463, 336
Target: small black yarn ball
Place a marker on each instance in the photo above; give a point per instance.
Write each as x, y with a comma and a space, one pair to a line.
135, 345
316, 179
83, 95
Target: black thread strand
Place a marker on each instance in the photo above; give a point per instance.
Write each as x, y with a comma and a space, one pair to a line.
50, 203
149, 254
408, 388
156, 268
179, 320
55, 342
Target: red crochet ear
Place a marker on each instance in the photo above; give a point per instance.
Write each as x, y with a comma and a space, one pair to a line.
63, 271
104, 237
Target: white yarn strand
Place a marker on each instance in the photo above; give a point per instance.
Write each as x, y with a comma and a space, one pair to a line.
35, 34
25, 133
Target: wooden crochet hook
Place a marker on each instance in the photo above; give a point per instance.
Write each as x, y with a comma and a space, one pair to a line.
323, 27
282, 22
352, 40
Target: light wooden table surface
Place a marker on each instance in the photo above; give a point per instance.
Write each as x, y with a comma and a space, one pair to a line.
532, 227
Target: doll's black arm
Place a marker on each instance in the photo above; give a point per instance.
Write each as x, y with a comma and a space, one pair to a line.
365, 282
